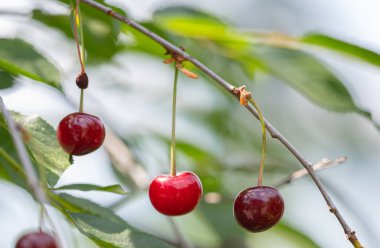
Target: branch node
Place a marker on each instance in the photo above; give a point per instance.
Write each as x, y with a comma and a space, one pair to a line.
179, 59
332, 209
243, 94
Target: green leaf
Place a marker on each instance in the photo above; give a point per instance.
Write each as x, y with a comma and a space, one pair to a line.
43, 146
309, 76
117, 189
209, 39
343, 47
190, 23
142, 43
20, 58
106, 228
6, 80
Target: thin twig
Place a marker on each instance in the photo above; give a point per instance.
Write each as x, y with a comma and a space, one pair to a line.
31, 178
230, 88
321, 165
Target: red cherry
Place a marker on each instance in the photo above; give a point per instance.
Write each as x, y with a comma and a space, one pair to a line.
36, 240
175, 195
80, 133
258, 208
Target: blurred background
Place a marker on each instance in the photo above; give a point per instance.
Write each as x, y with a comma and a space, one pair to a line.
130, 89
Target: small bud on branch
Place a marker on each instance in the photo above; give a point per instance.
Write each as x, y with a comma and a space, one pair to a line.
178, 59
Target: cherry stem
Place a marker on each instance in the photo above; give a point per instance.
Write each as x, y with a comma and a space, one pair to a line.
80, 49
81, 101
173, 166
77, 22
41, 220
264, 141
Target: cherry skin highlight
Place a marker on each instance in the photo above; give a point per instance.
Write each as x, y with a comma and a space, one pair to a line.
175, 195
36, 240
80, 133
258, 208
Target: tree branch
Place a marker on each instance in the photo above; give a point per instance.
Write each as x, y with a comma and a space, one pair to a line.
230, 88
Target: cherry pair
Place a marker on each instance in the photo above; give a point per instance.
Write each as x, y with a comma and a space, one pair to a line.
256, 209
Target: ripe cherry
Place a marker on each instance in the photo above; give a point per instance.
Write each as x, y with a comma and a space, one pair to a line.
36, 240
175, 195
258, 208
80, 133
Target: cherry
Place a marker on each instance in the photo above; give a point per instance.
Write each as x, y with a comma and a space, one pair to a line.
175, 195
258, 208
36, 240
80, 133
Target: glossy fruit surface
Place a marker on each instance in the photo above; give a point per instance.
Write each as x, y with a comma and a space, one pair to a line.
258, 208
175, 195
36, 240
80, 133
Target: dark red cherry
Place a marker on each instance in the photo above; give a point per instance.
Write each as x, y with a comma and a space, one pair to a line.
36, 240
258, 208
175, 195
80, 133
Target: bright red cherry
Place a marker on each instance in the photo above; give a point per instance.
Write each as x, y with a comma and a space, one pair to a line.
258, 208
80, 133
175, 195
36, 240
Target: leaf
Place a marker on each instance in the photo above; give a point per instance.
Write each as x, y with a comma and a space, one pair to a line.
309, 76
117, 189
106, 228
195, 24
343, 47
220, 44
6, 80
142, 43
20, 58
44, 146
